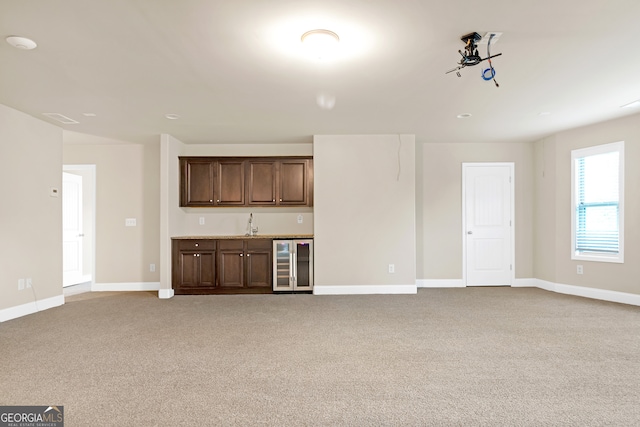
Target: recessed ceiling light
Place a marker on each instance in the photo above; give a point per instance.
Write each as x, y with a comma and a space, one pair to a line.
632, 104
321, 43
545, 113
463, 116
21, 42
172, 116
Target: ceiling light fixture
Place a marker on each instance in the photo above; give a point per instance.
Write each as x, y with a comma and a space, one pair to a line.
172, 116
321, 43
21, 42
464, 115
632, 104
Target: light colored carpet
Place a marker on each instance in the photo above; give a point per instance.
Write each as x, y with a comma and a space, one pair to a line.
475, 356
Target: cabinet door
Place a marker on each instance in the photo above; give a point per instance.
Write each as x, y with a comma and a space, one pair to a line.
207, 269
231, 263
197, 182
230, 183
258, 263
293, 183
261, 188
188, 270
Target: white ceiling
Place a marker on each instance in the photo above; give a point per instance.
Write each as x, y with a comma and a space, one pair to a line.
234, 70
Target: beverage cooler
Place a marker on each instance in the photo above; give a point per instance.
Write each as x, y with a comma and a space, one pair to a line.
293, 265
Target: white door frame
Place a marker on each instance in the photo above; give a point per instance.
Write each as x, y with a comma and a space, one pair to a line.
511, 166
91, 184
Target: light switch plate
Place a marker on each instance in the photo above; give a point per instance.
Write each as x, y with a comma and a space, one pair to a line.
300, 219
130, 222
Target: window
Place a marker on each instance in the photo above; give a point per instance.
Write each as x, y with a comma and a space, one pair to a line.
597, 182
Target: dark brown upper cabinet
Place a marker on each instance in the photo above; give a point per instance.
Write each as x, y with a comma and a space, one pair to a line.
229, 189
294, 177
246, 181
261, 182
197, 182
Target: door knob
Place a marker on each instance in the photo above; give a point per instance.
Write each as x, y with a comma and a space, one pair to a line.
469, 232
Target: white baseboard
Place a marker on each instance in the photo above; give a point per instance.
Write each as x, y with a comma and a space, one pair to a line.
132, 286
580, 291
594, 293
165, 293
440, 283
365, 290
525, 283
30, 308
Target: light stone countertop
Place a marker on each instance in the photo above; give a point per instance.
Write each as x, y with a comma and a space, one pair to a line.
237, 237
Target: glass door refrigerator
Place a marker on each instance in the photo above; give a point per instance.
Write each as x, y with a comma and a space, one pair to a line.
293, 265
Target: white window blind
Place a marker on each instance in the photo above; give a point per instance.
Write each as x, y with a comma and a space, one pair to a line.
597, 203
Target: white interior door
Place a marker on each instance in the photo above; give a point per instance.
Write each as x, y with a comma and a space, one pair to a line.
488, 224
72, 234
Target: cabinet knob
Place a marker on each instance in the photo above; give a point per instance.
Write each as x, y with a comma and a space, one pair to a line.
195, 254
218, 200
280, 199
196, 245
273, 200
248, 254
241, 254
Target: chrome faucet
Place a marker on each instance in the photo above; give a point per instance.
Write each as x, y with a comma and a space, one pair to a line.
253, 229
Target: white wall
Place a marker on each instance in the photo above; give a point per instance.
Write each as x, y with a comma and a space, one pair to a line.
127, 186
364, 213
553, 208
30, 220
440, 205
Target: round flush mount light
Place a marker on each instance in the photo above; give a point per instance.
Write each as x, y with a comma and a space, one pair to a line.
463, 116
21, 42
172, 116
321, 43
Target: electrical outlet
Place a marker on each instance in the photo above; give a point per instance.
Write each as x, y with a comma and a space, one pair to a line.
300, 218
20, 284
579, 270
29, 282
201, 220
392, 268
152, 267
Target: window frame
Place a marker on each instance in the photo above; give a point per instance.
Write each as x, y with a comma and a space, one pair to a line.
586, 152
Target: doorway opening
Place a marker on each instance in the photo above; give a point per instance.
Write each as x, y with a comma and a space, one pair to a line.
78, 227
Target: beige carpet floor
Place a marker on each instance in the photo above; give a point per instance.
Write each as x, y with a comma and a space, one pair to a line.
443, 357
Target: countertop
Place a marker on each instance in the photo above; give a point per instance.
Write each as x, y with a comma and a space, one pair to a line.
236, 237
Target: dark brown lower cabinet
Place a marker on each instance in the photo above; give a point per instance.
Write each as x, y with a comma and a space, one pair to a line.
245, 265
233, 266
194, 266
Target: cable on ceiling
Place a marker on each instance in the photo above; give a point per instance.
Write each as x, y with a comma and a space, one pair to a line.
490, 73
